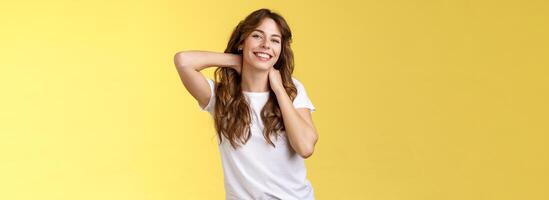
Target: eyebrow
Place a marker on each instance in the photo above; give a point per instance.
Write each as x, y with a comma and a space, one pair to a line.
274, 35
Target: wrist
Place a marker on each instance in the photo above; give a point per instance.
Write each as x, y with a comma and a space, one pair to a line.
278, 91
235, 62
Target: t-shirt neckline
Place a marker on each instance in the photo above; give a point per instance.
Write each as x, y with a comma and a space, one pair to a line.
256, 93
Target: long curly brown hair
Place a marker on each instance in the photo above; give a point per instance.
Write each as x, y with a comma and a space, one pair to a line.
232, 116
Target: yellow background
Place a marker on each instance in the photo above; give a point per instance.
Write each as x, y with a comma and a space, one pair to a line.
415, 99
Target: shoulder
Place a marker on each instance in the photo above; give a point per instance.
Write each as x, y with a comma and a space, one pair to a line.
297, 83
301, 100
299, 87
211, 82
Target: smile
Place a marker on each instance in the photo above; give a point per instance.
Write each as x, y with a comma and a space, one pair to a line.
263, 56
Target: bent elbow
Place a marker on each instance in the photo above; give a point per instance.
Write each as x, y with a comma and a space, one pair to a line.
306, 153
179, 60
308, 150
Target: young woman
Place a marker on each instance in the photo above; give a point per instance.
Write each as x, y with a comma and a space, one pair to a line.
262, 114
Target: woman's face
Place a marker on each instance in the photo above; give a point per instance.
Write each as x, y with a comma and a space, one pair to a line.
261, 49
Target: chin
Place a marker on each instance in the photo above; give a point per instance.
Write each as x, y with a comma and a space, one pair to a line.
262, 66
259, 65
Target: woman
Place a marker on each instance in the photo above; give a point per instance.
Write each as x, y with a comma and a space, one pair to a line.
262, 114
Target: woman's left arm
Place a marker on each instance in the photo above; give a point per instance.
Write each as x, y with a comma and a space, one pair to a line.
298, 122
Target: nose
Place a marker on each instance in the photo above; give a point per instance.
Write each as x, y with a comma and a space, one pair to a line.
265, 44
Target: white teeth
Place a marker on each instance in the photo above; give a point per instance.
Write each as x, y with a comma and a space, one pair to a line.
263, 55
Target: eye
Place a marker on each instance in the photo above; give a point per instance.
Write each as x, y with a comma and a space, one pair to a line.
275, 41
256, 36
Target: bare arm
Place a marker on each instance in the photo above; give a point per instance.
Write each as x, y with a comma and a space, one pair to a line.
299, 125
298, 122
190, 63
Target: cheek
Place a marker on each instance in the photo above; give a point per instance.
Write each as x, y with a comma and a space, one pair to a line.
278, 54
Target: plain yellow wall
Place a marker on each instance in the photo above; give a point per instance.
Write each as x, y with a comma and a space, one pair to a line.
422, 100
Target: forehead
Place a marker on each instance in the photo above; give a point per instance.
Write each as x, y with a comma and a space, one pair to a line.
269, 27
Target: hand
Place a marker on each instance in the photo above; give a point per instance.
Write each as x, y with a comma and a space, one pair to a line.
237, 65
275, 80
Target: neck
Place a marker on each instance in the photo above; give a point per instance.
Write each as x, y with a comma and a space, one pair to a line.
254, 80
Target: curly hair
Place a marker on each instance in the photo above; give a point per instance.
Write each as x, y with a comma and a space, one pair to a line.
232, 116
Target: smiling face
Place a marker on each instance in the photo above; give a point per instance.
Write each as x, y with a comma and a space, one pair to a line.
261, 49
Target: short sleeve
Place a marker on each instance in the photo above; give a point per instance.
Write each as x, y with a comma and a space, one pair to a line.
302, 99
211, 102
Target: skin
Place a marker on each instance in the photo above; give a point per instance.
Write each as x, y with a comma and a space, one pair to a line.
257, 76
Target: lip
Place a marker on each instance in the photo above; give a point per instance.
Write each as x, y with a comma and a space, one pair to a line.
261, 58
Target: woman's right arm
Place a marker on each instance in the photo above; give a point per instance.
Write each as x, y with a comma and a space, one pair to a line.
190, 63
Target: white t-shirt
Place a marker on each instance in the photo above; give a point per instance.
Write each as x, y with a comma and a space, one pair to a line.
257, 170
